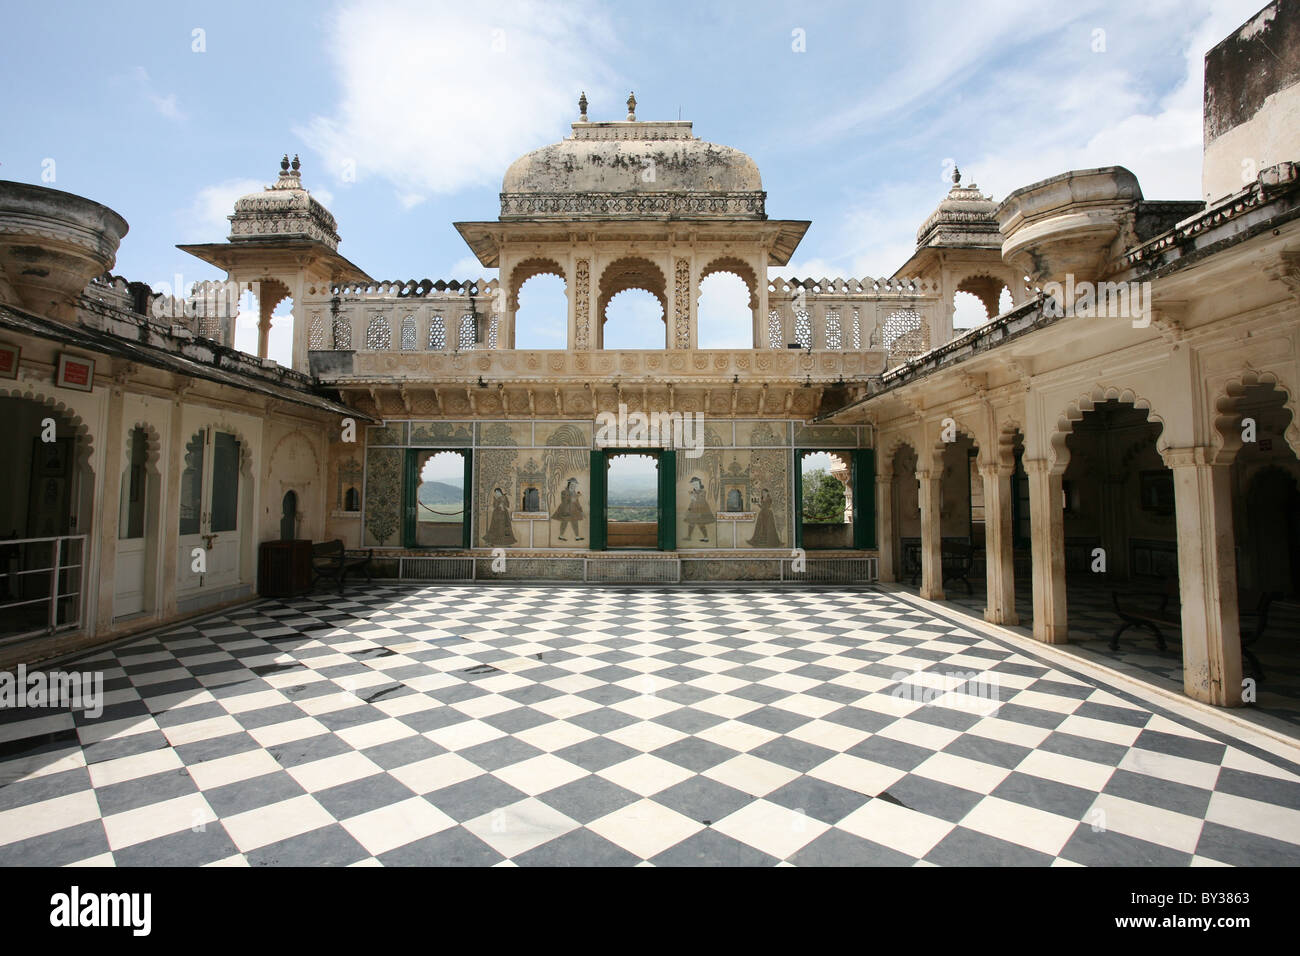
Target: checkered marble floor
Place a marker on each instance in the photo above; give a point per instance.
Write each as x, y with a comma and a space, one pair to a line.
581, 726
1093, 620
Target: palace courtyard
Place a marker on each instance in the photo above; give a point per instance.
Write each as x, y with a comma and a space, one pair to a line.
677, 726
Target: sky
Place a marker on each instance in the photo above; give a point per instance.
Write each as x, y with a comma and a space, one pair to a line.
407, 114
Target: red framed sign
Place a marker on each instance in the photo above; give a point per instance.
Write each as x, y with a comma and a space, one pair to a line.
9, 356
75, 372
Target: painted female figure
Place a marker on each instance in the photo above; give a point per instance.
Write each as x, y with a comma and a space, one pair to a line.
765, 533
500, 533
698, 513
569, 511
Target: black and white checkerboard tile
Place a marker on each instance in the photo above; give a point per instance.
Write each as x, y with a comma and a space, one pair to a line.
580, 726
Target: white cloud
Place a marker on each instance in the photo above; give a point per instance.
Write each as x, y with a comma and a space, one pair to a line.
166, 105
437, 99
205, 220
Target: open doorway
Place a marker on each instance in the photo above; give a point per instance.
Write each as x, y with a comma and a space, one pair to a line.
438, 516
632, 500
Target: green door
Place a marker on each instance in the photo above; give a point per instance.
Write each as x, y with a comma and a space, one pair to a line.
864, 498
667, 501
599, 528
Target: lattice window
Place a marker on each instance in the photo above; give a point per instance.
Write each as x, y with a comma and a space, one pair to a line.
906, 336
379, 334
316, 332
209, 327
467, 331
774, 335
408, 332
857, 329
834, 330
803, 328
342, 333
437, 333
492, 330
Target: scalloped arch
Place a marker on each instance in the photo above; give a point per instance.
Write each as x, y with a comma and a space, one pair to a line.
85, 440
1088, 401
153, 444
1225, 437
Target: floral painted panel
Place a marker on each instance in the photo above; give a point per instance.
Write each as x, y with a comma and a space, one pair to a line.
383, 504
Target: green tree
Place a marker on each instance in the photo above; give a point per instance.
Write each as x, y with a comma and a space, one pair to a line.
823, 497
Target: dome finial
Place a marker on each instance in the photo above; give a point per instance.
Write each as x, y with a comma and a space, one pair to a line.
284, 164
295, 164
582, 107
956, 175
631, 107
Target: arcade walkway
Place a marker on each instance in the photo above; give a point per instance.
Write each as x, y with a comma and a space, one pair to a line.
552, 725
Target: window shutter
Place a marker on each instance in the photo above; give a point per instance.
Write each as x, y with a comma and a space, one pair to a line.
466, 539
668, 501
596, 509
864, 498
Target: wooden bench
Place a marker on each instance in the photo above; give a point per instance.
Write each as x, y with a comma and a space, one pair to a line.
331, 561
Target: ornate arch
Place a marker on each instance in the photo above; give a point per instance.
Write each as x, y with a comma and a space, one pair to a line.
891, 447
528, 269
1003, 450
630, 272
81, 431
737, 267
1088, 401
985, 287
298, 433
1225, 436
153, 445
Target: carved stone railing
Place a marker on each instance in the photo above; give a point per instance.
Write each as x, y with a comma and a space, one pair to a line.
406, 316
844, 314
630, 369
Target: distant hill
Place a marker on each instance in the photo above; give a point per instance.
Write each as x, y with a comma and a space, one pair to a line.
438, 493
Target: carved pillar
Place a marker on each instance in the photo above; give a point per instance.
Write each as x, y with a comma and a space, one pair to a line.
109, 513
931, 533
581, 337
169, 520
1207, 577
1047, 534
682, 335
300, 317
999, 556
885, 543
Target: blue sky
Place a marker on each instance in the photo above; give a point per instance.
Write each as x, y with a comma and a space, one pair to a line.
406, 114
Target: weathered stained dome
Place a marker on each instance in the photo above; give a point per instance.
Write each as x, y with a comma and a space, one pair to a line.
284, 210
632, 169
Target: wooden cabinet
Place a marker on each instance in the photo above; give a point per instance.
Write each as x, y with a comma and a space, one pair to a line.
284, 568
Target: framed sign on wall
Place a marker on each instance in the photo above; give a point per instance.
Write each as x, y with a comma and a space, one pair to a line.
9, 356
75, 372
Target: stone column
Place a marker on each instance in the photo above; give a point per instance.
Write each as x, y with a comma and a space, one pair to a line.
109, 519
885, 543
169, 520
264, 309
1047, 534
931, 534
999, 556
1207, 577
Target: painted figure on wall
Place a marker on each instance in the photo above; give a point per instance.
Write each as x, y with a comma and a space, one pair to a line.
569, 511
499, 534
765, 534
698, 513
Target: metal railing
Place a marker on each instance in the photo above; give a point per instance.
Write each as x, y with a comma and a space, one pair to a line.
41, 585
